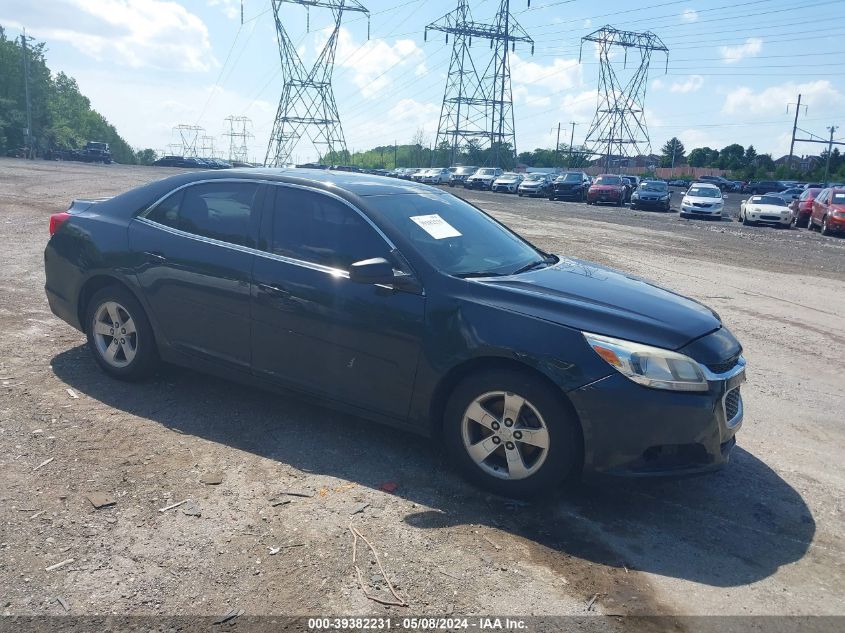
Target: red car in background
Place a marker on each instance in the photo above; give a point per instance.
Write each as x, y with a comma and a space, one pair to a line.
828, 211
607, 188
802, 206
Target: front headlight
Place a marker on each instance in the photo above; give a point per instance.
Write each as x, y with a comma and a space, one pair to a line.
635, 195
665, 196
685, 201
649, 366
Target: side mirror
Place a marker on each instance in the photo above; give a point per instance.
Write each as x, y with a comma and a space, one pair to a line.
372, 271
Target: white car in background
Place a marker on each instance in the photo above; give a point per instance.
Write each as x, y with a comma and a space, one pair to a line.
436, 176
508, 182
702, 200
765, 209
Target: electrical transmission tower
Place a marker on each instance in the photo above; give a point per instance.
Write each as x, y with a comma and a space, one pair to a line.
307, 105
618, 130
188, 137
477, 110
238, 135
206, 146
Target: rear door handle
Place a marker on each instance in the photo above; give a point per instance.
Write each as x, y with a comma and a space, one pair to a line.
275, 291
157, 257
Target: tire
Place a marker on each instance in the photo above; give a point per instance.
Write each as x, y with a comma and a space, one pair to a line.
825, 229
544, 468
620, 202
810, 223
681, 214
552, 198
137, 357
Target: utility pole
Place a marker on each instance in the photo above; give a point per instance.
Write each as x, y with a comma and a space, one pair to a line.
571, 141
394, 155
832, 129
794, 128
26, 80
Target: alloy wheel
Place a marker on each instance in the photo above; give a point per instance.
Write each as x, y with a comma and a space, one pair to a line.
825, 230
115, 334
505, 435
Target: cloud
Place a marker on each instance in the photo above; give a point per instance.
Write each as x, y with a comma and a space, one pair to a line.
657, 84
137, 33
692, 84
374, 61
231, 8
744, 100
689, 15
733, 54
561, 73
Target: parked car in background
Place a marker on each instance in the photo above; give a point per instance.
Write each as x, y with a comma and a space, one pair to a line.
408, 172
507, 182
790, 194
483, 178
630, 185
814, 185
607, 188
828, 211
764, 186
802, 207
417, 176
722, 183
460, 174
436, 176
179, 161
702, 199
738, 185
571, 185
678, 182
767, 209
526, 367
652, 194
535, 185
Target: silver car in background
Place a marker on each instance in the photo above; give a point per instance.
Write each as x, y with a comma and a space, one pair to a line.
507, 182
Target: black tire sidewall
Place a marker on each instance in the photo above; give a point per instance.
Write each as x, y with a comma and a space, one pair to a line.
146, 357
564, 445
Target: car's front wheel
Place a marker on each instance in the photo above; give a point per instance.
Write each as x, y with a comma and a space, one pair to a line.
825, 229
119, 334
510, 433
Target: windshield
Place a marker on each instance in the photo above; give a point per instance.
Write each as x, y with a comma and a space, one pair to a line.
486, 172
463, 171
453, 236
535, 177
654, 186
768, 200
704, 192
608, 180
507, 176
569, 178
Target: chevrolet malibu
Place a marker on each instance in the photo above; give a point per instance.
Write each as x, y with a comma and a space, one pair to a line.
399, 302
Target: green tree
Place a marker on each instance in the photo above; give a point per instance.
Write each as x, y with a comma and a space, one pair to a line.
145, 156
672, 153
701, 157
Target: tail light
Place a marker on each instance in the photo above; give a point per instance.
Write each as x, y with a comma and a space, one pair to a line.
56, 220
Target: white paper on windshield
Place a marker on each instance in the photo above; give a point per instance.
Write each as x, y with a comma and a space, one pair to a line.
436, 226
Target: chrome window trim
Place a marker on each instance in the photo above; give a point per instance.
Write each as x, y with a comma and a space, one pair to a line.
335, 272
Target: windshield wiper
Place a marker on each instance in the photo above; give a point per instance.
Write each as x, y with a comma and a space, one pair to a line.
546, 260
477, 273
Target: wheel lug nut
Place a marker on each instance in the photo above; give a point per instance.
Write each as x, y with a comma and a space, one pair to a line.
517, 435
495, 426
122, 341
123, 330
496, 440
508, 422
510, 446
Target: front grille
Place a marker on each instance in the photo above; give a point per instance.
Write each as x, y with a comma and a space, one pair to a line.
725, 365
732, 402
776, 218
702, 205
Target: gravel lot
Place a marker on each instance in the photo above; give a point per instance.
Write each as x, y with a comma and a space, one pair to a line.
763, 536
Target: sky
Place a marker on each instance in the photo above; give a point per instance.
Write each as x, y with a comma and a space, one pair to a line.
734, 68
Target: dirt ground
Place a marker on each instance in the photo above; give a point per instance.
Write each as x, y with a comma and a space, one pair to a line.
763, 536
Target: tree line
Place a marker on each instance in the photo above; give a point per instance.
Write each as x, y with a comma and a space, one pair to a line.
62, 117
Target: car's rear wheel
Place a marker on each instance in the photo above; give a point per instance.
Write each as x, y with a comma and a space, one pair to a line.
119, 334
509, 433
810, 226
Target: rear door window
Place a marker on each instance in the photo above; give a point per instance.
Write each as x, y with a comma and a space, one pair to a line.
224, 211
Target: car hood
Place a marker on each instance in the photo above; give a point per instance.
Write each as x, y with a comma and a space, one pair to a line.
693, 199
507, 181
766, 208
533, 183
593, 298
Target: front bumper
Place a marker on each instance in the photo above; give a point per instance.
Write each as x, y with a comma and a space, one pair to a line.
784, 219
567, 193
710, 212
478, 184
633, 430
646, 203
531, 192
501, 187
605, 196
835, 224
